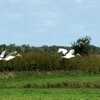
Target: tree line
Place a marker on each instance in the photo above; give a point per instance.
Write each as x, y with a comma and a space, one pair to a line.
46, 58
82, 45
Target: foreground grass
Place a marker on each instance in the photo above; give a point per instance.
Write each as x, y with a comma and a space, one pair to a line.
50, 94
48, 79
58, 85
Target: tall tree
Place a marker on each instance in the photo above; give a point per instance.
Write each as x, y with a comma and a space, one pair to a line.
82, 45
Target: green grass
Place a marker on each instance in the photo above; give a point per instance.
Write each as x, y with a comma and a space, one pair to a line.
43, 79
50, 94
20, 86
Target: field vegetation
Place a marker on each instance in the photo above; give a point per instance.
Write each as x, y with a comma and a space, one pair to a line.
56, 79
49, 94
40, 74
52, 62
46, 58
49, 85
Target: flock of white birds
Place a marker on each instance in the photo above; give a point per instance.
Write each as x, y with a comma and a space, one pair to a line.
67, 54
9, 56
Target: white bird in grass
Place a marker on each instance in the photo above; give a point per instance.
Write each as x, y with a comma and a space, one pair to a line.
9, 56
12, 56
67, 54
2, 54
63, 51
70, 54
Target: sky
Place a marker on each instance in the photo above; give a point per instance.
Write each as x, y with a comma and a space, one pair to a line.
49, 22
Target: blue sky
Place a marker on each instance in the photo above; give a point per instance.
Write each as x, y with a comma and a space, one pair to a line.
49, 22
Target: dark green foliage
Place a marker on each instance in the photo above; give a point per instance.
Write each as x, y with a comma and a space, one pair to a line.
46, 58
95, 50
48, 49
50, 61
82, 45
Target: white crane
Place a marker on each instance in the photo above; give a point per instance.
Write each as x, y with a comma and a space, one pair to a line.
9, 56
67, 54
63, 51
2, 55
70, 54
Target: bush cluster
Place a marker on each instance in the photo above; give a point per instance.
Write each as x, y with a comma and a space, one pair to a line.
45, 61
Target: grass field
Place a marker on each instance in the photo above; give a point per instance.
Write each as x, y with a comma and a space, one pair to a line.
49, 86
50, 94
47, 79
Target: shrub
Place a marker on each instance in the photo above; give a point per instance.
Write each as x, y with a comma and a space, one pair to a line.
50, 61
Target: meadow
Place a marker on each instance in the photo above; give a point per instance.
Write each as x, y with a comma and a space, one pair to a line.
49, 85
50, 94
55, 79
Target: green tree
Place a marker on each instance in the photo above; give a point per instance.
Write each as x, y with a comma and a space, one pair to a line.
82, 45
